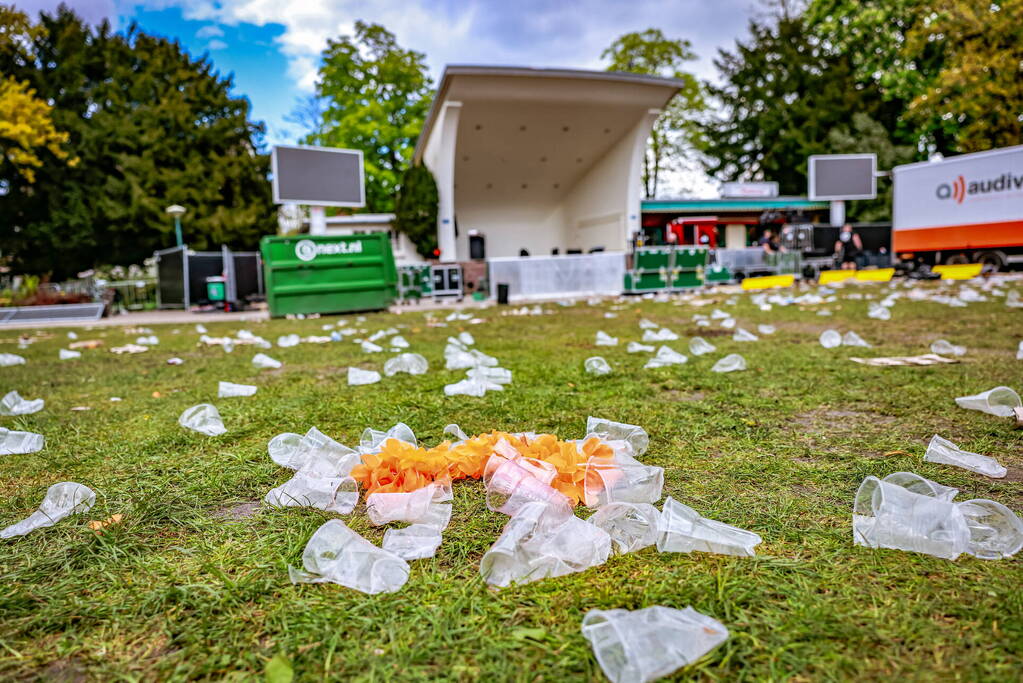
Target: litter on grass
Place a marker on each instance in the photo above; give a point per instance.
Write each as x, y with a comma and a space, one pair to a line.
636, 347
62, 500
999, 401
647, 644
683, 530
733, 362
896, 361
263, 361
661, 335
19, 443
203, 418
766, 329
604, 339
945, 452
905, 511
65, 354
699, 346
411, 363
232, 390
631, 526
943, 347
665, 357
336, 554
358, 377
13, 404
596, 365
10, 359
742, 335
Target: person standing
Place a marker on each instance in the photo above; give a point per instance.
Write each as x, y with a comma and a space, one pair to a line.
848, 248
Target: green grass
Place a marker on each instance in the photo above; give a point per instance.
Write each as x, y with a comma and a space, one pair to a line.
187, 588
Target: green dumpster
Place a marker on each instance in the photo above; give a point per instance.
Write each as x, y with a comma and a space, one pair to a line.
328, 274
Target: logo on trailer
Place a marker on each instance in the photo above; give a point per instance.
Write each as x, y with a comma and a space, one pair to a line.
959, 188
307, 250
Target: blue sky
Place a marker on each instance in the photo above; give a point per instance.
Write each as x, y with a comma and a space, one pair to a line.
272, 47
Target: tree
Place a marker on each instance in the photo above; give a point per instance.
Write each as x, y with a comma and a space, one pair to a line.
151, 127
976, 98
416, 208
26, 127
782, 95
376, 96
676, 132
956, 64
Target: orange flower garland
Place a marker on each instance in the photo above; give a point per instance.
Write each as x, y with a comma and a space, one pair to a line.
401, 467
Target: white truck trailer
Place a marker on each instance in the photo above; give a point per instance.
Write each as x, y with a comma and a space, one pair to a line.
962, 209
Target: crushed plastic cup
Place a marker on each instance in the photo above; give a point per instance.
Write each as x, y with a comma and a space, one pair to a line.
766, 329
232, 390
889, 514
541, 541
13, 404
150, 340
263, 361
733, 362
494, 375
203, 418
996, 532
728, 323
1019, 351
999, 401
20, 443
636, 347
466, 338
683, 530
295, 451
373, 439
513, 482
665, 357
631, 526
369, 347
430, 505
315, 488
661, 335
830, 339
10, 359
399, 342
699, 346
608, 430
850, 338
879, 312
336, 554
415, 542
620, 479
596, 365
945, 452
718, 314
475, 387
457, 357
645, 324
742, 335
943, 347
411, 363
358, 377
61, 500
604, 339
288, 340
647, 644
65, 354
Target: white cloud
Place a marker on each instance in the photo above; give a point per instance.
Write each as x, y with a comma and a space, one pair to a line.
216, 44
526, 32
210, 31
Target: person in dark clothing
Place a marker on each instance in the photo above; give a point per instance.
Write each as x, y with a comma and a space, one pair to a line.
770, 243
848, 248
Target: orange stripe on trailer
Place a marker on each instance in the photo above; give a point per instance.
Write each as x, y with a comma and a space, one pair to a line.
957, 237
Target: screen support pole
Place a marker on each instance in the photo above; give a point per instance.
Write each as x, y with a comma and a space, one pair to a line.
317, 220
838, 213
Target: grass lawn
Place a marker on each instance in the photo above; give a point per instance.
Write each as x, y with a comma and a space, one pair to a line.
193, 583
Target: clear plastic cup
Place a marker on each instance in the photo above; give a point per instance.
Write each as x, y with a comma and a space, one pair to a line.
999, 401
336, 554
683, 530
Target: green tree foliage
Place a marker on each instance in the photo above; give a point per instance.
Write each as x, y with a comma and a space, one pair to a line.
151, 127
376, 95
416, 208
782, 95
956, 64
676, 133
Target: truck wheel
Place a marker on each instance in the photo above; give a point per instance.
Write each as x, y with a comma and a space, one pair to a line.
957, 260
993, 260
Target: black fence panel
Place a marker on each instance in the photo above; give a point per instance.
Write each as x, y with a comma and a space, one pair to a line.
170, 273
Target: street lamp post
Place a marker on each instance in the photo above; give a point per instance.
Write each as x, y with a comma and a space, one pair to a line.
177, 211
